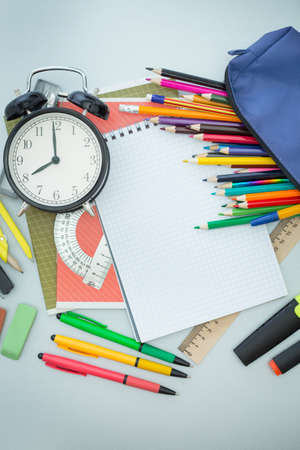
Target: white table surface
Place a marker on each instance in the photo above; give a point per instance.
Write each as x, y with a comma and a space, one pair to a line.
223, 405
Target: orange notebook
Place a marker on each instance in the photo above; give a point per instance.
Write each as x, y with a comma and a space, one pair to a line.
72, 292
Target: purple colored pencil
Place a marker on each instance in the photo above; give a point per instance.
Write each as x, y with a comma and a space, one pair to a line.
243, 151
162, 120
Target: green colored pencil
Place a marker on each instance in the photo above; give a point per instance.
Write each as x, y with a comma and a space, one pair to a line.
231, 192
252, 211
216, 98
226, 222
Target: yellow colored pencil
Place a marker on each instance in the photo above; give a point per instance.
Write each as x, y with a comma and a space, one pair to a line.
15, 230
236, 161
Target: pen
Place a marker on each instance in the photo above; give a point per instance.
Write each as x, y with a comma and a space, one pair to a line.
98, 329
15, 230
277, 215
79, 368
88, 349
5, 256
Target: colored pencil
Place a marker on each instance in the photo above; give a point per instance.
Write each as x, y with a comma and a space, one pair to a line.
232, 192
235, 160
231, 145
182, 104
269, 202
187, 87
225, 222
218, 129
199, 99
162, 120
225, 138
239, 177
190, 114
187, 77
253, 183
261, 170
215, 98
269, 195
277, 215
180, 130
253, 212
243, 151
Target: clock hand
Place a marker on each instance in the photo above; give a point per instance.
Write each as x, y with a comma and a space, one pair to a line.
54, 141
54, 160
43, 167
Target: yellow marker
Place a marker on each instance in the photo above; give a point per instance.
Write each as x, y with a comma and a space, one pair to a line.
87, 349
235, 160
15, 230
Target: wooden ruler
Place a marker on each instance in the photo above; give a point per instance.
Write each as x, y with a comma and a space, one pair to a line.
204, 337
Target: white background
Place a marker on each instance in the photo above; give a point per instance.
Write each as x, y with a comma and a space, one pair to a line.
223, 405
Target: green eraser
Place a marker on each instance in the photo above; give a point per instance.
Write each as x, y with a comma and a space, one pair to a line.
18, 331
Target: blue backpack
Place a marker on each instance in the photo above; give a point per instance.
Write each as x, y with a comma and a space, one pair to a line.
263, 85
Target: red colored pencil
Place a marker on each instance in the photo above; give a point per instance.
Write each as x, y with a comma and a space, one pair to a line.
271, 202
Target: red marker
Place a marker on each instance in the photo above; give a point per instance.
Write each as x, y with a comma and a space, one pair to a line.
79, 368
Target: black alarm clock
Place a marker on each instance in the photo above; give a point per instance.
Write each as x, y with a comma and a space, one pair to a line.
55, 158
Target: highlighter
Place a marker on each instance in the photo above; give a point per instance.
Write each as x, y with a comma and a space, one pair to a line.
280, 326
286, 360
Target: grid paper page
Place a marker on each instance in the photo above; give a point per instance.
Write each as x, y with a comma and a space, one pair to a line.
174, 276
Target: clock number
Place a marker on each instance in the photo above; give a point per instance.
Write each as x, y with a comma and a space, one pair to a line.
39, 131
57, 125
74, 190
87, 176
86, 141
27, 144
93, 160
39, 188
25, 177
19, 160
56, 195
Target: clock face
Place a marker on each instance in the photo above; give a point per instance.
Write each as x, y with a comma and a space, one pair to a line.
54, 159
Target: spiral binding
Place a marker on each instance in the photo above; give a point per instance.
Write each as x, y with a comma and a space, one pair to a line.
122, 132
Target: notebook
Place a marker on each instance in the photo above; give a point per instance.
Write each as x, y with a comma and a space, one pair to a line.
172, 276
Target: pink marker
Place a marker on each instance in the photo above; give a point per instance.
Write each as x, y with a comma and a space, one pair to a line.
187, 87
79, 368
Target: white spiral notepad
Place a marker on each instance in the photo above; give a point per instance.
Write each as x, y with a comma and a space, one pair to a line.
173, 276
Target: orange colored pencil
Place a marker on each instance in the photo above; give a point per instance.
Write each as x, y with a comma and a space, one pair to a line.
182, 104
269, 195
204, 101
190, 114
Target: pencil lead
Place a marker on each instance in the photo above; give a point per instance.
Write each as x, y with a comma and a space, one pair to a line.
195, 156
148, 79
191, 135
212, 193
149, 68
185, 160
224, 206
163, 128
204, 179
197, 228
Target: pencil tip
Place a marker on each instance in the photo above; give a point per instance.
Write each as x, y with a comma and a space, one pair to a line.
197, 228
163, 128
191, 135
212, 193
185, 161
148, 79
204, 179
149, 68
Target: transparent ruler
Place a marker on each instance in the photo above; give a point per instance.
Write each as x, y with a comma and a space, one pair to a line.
203, 337
92, 269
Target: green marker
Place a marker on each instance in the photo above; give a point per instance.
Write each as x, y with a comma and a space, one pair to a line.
226, 222
98, 329
252, 211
